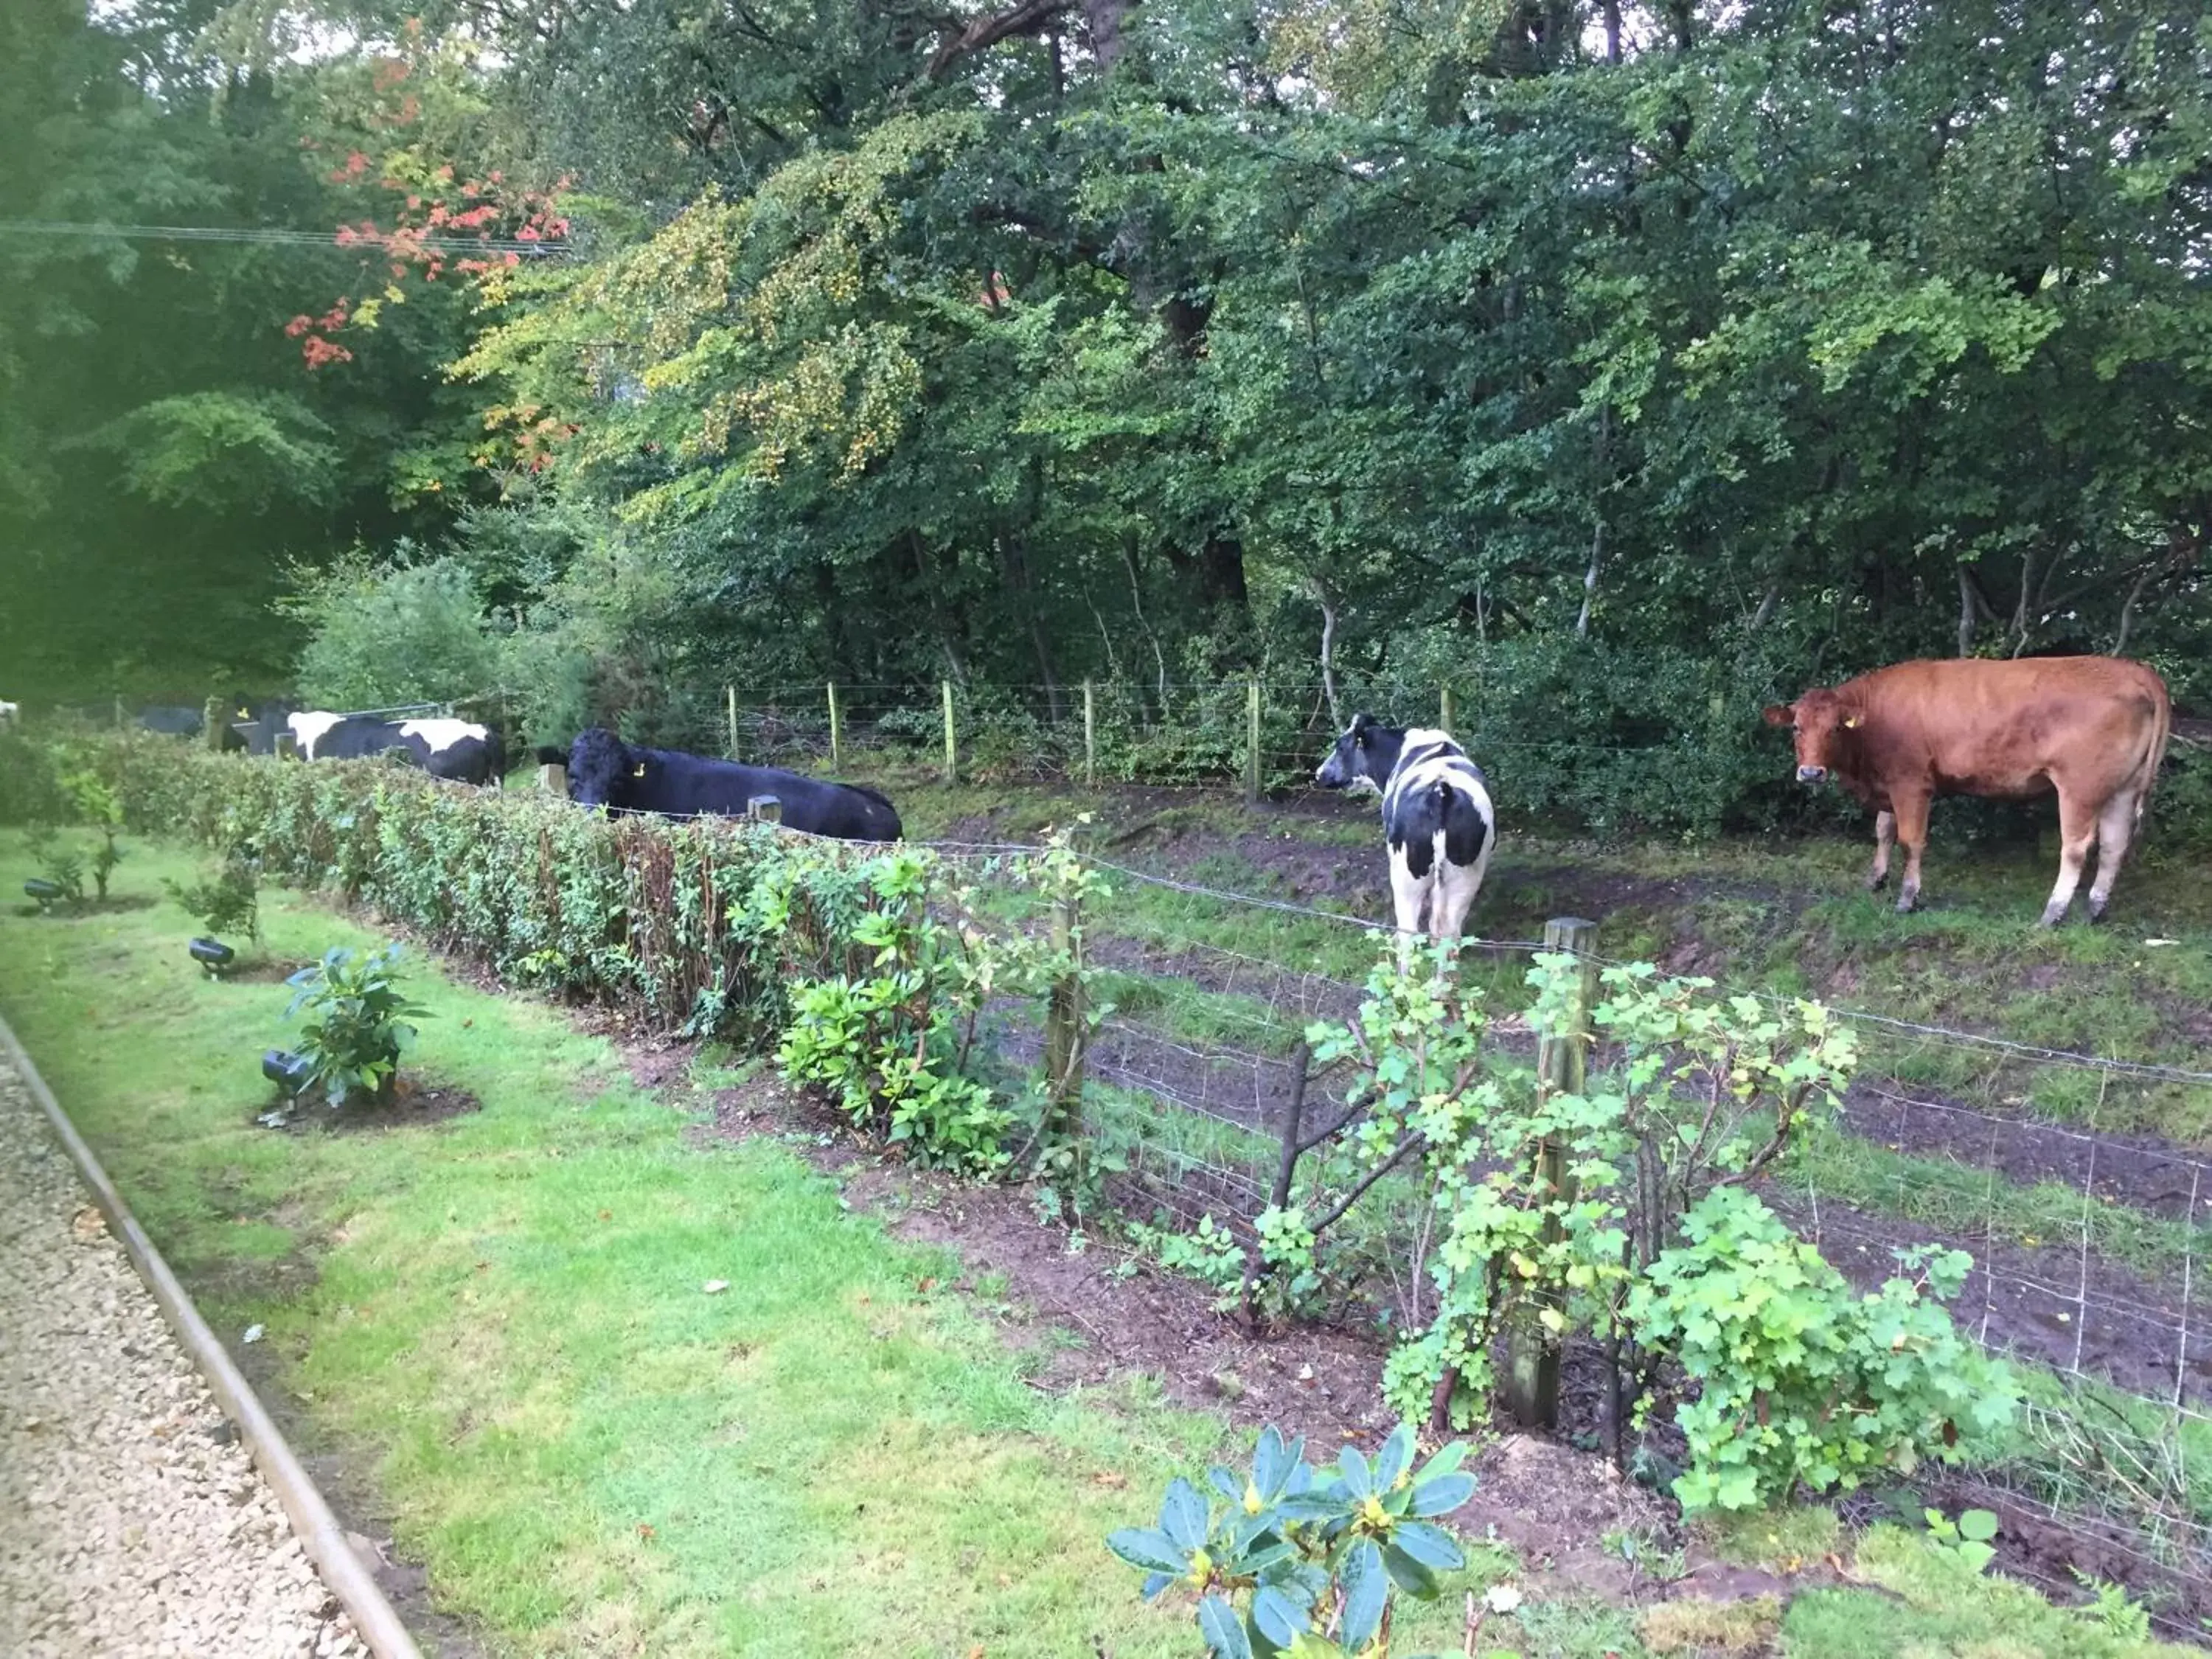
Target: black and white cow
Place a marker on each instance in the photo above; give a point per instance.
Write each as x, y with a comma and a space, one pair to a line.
173, 720
604, 771
460, 750
1436, 819
9, 712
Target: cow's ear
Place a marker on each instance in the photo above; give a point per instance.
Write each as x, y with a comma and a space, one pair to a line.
1777, 714
1360, 727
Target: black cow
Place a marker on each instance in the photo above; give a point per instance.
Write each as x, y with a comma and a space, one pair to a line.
604, 771
173, 720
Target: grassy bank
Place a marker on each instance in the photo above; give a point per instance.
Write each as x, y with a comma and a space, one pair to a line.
498, 1323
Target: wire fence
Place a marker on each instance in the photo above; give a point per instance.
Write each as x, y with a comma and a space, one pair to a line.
2089, 1244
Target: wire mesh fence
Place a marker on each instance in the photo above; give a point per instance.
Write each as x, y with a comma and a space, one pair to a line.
2088, 1244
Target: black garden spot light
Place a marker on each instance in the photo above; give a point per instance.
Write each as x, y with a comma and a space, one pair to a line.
43, 892
290, 1073
213, 954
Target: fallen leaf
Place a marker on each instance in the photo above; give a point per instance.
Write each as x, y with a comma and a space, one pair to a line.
254, 1333
715, 1286
606, 1215
1109, 1478
87, 1224
644, 1531
1502, 1598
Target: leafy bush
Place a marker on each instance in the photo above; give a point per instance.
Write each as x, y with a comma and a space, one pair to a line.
1303, 1561
97, 804
358, 1021
227, 901
1211, 1254
1799, 1379
383, 635
894, 1043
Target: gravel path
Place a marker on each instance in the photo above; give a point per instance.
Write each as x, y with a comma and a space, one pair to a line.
132, 1524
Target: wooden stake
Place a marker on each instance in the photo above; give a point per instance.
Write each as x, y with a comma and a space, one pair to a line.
836, 729
1252, 742
951, 737
1089, 735
730, 697
1529, 1380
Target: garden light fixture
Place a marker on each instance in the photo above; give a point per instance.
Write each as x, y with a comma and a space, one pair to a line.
289, 1072
213, 954
44, 891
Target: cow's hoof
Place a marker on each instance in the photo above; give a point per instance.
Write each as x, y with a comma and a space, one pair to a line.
1875, 884
2052, 916
2096, 911
1907, 901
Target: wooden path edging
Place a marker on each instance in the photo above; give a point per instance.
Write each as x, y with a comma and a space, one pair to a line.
316, 1529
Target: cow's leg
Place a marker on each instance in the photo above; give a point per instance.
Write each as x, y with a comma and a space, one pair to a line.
1910, 817
1456, 887
2115, 827
1407, 893
2077, 828
1885, 836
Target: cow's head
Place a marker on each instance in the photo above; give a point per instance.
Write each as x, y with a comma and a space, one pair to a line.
601, 768
1363, 757
1822, 724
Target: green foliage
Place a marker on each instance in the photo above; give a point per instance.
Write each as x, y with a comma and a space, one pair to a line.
1303, 1561
221, 450
383, 636
229, 900
1966, 1538
1642, 1230
1801, 1380
1210, 1254
358, 1022
97, 804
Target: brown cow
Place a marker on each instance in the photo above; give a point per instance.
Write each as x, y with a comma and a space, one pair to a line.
2093, 729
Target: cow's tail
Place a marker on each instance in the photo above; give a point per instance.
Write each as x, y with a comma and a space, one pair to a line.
2161, 729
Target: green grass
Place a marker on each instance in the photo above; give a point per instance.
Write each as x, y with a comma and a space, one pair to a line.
502, 1317
501, 1321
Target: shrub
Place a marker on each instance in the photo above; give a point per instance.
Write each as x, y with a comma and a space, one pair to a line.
227, 901
1799, 1379
1300, 1559
381, 636
358, 1022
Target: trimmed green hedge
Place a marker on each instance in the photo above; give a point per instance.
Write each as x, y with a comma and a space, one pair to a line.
695, 926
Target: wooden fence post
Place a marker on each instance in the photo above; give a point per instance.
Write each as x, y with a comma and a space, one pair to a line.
1089, 735
554, 780
1444, 710
1529, 1379
730, 697
764, 808
1064, 1034
951, 737
213, 724
836, 729
1251, 741
119, 721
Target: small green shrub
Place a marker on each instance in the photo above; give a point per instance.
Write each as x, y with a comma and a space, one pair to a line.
1303, 1561
1799, 1379
1966, 1539
359, 1021
1210, 1255
229, 901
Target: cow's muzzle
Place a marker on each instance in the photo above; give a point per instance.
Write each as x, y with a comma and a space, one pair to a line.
1812, 773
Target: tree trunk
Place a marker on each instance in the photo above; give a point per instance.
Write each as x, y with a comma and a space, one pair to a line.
2128, 610
1328, 655
1966, 613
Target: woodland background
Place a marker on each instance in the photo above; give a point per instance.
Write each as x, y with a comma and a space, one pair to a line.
1650, 362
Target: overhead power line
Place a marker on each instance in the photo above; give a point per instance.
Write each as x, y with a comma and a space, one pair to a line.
269, 236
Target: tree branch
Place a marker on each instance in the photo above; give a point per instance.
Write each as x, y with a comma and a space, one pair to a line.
1031, 17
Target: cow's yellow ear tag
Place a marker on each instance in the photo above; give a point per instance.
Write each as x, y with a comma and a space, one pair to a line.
1851, 722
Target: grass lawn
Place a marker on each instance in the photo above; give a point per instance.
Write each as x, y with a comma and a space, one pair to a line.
500, 1321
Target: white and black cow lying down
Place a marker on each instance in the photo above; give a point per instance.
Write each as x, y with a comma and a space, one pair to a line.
460, 750
1436, 819
604, 771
